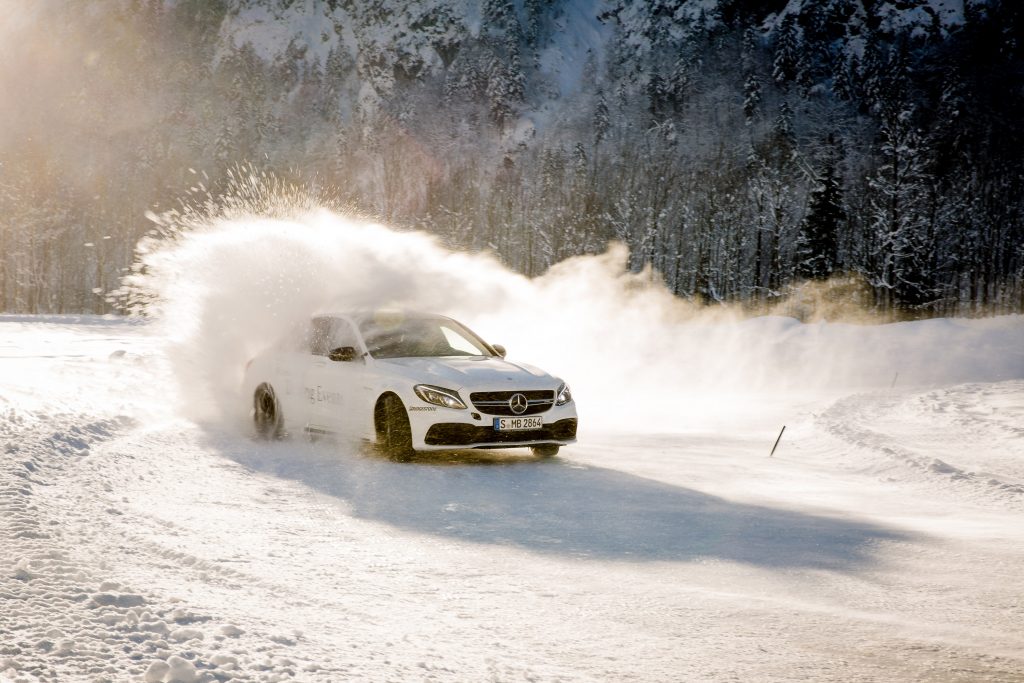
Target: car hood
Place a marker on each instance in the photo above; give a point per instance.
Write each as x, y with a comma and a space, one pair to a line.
474, 373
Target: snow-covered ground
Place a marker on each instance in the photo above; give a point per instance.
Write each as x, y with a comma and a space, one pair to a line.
884, 541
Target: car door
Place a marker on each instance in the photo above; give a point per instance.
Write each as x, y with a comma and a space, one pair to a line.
333, 387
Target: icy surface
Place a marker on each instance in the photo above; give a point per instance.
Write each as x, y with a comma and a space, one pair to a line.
883, 541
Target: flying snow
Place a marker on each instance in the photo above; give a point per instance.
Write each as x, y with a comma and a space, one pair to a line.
636, 356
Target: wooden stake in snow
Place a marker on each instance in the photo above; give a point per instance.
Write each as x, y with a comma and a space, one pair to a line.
894, 378
777, 441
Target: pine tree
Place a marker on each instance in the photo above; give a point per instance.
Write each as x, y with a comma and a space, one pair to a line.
900, 221
506, 83
817, 240
602, 120
656, 95
752, 82
751, 97
533, 10
787, 63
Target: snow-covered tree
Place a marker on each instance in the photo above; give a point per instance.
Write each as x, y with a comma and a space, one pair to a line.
818, 239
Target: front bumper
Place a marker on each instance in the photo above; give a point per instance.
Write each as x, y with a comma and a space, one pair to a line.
445, 429
455, 435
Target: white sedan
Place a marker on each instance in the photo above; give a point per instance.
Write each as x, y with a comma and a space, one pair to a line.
407, 382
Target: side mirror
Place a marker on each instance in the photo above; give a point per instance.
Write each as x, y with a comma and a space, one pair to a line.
500, 349
343, 353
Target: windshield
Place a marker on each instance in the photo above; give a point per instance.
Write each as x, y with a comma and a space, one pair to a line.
401, 336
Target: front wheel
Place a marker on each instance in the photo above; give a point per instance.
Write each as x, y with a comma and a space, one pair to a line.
545, 450
394, 434
266, 413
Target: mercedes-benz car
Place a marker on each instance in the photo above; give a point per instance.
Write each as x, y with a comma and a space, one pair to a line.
406, 382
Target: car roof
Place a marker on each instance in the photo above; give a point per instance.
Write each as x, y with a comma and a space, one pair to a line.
363, 315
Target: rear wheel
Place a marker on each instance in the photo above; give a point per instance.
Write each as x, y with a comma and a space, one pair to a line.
545, 450
394, 435
266, 413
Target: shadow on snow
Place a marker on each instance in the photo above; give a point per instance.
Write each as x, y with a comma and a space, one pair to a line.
562, 508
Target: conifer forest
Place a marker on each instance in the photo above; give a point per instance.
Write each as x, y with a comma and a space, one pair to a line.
737, 148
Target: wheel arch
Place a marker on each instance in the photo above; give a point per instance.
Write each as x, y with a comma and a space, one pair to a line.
262, 391
264, 388
378, 410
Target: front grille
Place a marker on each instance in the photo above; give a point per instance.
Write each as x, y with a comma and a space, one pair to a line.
455, 434
496, 402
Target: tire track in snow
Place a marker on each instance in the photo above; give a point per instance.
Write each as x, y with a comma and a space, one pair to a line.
865, 420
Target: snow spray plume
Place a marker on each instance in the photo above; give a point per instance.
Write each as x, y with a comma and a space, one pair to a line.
229, 282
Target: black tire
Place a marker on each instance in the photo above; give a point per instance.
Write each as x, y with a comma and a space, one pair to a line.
394, 435
266, 413
545, 450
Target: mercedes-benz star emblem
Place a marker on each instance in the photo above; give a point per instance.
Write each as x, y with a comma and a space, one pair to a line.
518, 404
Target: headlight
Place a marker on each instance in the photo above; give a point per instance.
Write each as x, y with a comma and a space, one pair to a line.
564, 395
445, 398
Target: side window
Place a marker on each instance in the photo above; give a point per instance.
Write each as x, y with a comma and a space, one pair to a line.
319, 336
342, 334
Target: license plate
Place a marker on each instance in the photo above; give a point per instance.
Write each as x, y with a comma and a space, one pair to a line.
515, 424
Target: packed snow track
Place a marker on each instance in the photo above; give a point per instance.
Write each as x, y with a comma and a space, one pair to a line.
884, 540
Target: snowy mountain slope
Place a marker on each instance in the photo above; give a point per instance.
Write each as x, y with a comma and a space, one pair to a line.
391, 43
894, 17
139, 545
400, 40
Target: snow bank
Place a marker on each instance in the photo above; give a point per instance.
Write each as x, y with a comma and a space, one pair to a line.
634, 354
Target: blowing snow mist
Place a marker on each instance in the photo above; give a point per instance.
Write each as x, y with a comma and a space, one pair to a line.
637, 357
